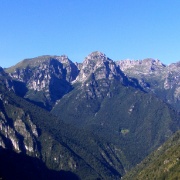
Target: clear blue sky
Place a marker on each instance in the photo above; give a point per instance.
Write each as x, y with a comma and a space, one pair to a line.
134, 29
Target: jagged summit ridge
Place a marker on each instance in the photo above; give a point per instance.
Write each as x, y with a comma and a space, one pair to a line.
98, 64
97, 55
47, 78
145, 65
44, 66
34, 62
55, 76
154, 76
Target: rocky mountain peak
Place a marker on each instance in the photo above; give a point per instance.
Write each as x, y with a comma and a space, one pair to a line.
148, 65
63, 59
57, 65
174, 66
99, 65
172, 79
50, 76
95, 58
155, 77
97, 55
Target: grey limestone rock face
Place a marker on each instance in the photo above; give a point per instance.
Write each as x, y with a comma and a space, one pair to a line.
97, 72
98, 64
156, 77
39, 72
46, 79
146, 66
48, 76
18, 133
172, 76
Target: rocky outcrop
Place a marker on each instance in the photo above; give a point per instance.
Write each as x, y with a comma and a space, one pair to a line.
101, 97
172, 78
155, 77
97, 72
43, 68
17, 132
47, 77
100, 66
30, 130
141, 67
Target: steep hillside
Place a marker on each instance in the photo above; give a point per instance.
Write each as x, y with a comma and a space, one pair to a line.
164, 163
130, 106
156, 77
47, 78
30, 130
20, 166
108, 103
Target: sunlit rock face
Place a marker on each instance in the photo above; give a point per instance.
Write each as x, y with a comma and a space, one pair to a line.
46, 79
155, 77
30, 130
97, 73
172, 78
146, 66
94, 83
48, 76
99, 65
40, 72
17, 131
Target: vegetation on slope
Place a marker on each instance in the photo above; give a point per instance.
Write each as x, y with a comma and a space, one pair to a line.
135, 120
31, 62
164, 163
63, 147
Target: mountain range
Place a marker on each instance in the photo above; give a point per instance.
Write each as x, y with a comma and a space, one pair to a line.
164, 163
92, 120
155, 77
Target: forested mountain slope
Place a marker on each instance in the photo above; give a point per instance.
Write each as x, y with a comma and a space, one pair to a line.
155, 77
100, 117
28, 129
110, 104
164, 163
